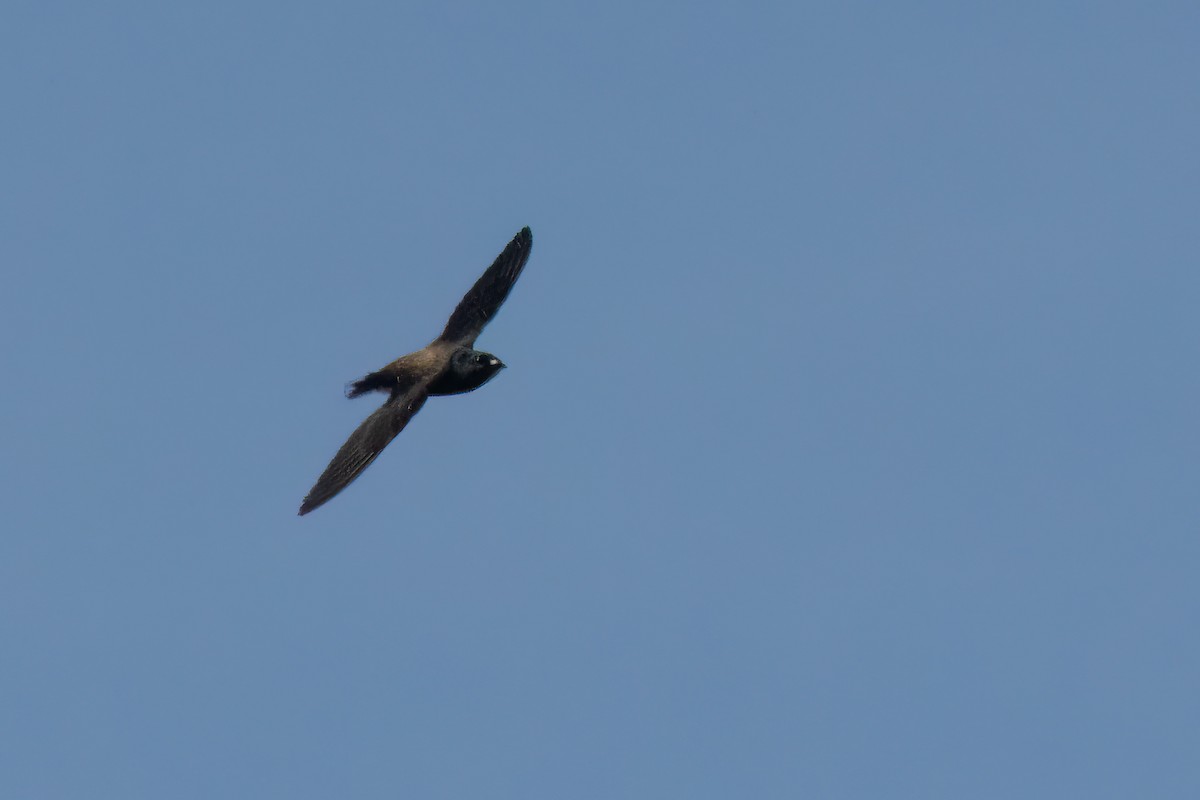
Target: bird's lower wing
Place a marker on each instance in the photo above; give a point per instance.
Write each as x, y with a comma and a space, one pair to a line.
367, 442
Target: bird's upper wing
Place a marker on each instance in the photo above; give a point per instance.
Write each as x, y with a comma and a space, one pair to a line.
480, 304
367, 442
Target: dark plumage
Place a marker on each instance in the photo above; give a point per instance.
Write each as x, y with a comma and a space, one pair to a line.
448, 365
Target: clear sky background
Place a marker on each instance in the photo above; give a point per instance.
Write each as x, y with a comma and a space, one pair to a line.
848, 447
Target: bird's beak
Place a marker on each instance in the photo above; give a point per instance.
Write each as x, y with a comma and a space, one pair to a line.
497, 363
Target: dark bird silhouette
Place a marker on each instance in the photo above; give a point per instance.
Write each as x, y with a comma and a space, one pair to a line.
448, 365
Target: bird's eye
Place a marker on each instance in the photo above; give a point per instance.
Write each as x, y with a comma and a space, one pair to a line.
480, 359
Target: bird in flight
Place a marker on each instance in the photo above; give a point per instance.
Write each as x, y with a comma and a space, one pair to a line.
447, 365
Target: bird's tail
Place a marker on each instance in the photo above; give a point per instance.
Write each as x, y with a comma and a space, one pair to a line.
370, 383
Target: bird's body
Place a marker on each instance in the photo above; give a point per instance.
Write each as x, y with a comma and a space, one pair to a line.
448, 365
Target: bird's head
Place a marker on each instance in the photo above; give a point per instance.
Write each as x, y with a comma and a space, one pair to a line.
473, 368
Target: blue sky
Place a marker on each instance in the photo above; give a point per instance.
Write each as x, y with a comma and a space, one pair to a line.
848, 446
